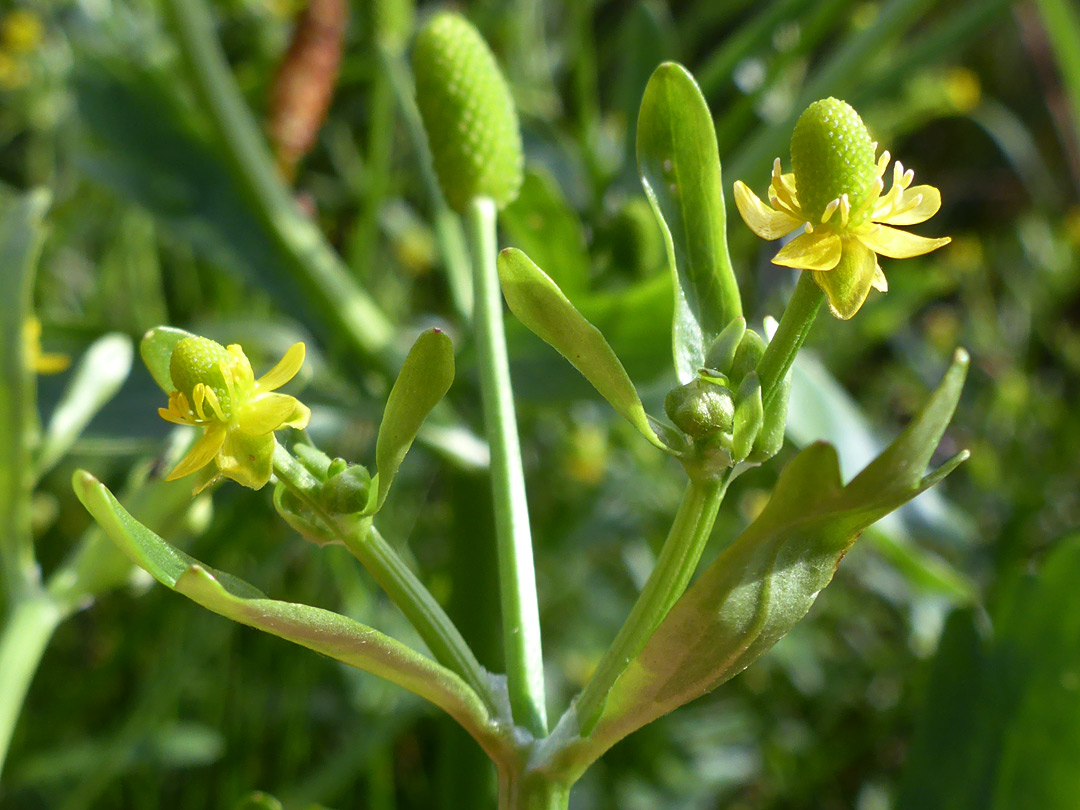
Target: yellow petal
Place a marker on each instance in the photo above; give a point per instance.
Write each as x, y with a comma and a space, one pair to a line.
300, 416
46, 363
928, 205
897, 244
847, 286
247, 460
284, 371
173, 416
201, 454
766, 222
810, 251
266, 413
880, 283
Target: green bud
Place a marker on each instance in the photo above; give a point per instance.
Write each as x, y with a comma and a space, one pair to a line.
721, 355
747, 356
771, 438
347, 491
832, 153
198, 360
700, 408
468, 113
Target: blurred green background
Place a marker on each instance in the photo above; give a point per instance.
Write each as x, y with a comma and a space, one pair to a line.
941, 669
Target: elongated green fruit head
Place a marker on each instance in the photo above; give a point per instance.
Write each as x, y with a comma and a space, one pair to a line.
198, 360
468, 113
832, 154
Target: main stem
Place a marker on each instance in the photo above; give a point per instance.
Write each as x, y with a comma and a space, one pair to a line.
531, 791
678, 560
23, 641
398, 581
795, 323
517, 576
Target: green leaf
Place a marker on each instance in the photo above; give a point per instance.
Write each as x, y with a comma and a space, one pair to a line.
538, 303
680, 171
156, 350
542, 223
100, 374
425, 378
320, 630
1000, 728
768, 578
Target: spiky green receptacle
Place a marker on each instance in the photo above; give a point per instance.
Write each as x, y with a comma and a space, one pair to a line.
832, 154
468, 113
198, 360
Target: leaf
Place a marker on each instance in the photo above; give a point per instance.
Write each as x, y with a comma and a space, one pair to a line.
320, 630
680, 171
100, 374
542, 223
424, 379
538, 303
768, 578
156, 350
1000, 728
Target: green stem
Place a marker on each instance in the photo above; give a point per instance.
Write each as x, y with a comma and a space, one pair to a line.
23, 641
312, 262
448, 231
517, 576
394, 576
531, 791
790, 335
678, 560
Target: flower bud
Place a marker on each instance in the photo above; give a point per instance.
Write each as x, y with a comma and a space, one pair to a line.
721, 355
747, 356
347, 491
198, 360
700, 408
832, 154
468, 113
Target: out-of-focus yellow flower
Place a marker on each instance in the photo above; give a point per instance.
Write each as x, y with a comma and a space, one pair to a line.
41, 362
836, 193
217, 391
21, 31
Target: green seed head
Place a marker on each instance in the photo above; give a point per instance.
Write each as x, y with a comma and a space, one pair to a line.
468, 113
832, 154
197, 360
700, 408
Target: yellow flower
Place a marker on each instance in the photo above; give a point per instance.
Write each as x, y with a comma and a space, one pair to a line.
836, 193
41, 362
217, 391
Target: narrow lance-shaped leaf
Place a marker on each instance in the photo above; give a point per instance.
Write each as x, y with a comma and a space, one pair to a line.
156, 350
320, 630
680, 170
768, 578
538, 303
101, 372
425, 378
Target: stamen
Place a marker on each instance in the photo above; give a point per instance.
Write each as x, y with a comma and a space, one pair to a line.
776, 172
873, 197
897, 174
883, 162
198, 393
225, 372
830, 209
909, 175
845, 210
215, 404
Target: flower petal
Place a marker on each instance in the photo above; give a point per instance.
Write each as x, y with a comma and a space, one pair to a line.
926, 207
174, 417
766, 222
848, 284
266, 413
897, 244
246, 459
201, 454
284, 371
300, 416
810, 251
880, 283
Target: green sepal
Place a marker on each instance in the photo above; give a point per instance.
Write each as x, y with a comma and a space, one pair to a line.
748, 355
425, 377
721, 354
767, 579
771, 438
156, 350
320, 630
749, 417
679, 164
540, 305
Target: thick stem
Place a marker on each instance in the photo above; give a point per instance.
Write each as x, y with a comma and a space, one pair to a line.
790, 335
400, 583
531, 791
517, 575
678, 560
23, 641
311, 260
